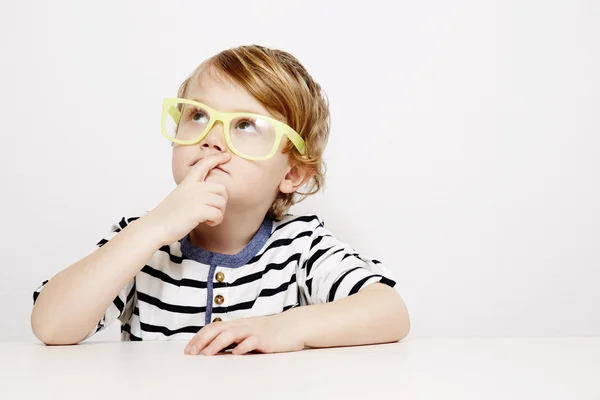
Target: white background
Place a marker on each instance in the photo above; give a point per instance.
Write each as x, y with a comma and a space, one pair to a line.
464, 150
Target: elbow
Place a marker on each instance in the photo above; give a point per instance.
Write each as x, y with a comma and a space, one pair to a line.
401, 325
395, 317
404, 328
401, 319
49, 334
50, 337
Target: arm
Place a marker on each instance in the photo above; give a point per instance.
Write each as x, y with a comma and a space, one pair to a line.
376, 314
76, 298
351, 297
73, 301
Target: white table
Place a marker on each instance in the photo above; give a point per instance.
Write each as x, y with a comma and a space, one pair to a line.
412, 369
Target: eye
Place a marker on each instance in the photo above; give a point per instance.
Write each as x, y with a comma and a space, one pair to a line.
247, 126
199, 116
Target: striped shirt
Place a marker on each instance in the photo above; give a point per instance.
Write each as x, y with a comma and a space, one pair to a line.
293, 261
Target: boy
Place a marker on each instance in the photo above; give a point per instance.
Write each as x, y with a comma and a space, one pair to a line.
219, 262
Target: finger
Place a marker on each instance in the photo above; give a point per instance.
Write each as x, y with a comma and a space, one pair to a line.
203, 337
225, 338
199, 171
212, 215
216, 188
247, 345
221, 190
215, 200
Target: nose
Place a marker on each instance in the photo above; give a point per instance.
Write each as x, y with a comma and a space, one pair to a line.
215, 139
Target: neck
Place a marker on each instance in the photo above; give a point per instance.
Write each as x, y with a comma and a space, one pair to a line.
229, 237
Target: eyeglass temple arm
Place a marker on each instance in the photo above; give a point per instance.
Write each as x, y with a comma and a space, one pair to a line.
174, 113
297, 140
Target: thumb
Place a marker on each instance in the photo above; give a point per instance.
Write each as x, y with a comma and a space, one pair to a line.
199, 171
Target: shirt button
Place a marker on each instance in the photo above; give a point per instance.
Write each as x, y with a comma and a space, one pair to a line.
220, 277
217, 319
219, 299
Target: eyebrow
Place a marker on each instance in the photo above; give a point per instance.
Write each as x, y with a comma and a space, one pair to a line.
236, 110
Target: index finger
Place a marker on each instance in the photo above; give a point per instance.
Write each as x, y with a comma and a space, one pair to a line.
204, 337
225, 339
199, 171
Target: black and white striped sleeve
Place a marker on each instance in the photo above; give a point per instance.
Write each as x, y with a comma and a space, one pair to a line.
331, 269
122, 306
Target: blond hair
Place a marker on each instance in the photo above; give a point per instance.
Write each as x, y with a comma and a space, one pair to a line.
284, 87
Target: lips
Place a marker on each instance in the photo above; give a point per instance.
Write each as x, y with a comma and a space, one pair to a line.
217, 167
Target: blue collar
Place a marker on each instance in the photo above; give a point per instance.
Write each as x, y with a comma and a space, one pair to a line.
200, 255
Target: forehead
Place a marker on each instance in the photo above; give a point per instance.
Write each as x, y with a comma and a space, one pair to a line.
221, 93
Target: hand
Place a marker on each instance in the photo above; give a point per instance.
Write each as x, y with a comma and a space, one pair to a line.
192, 202
272, 334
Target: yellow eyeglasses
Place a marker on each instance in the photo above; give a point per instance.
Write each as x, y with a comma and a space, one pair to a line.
250, 136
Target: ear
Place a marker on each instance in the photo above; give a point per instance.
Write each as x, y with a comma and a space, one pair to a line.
297, 176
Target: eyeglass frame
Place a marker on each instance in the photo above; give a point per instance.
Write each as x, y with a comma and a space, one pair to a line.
281, 129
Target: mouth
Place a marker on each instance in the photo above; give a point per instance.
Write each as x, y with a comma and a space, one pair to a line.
217, 167
196, 161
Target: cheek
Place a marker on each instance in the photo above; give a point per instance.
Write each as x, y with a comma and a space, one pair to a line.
264, 175
179, 163
252, 179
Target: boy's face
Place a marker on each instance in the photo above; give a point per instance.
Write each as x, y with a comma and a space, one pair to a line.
249, 184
